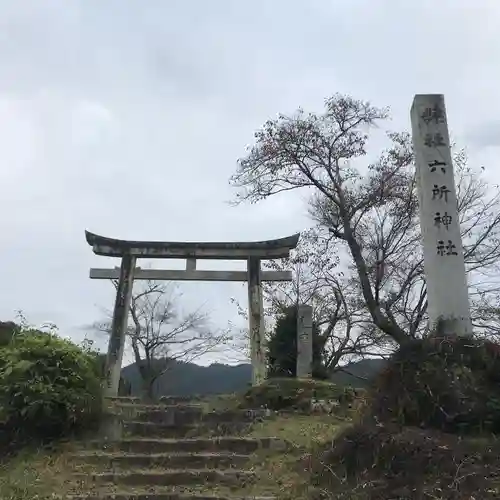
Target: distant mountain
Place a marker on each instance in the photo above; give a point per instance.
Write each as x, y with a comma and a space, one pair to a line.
358, 374
189, 379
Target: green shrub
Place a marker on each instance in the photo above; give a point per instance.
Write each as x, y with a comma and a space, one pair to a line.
295, 394
7, 330
49, 386
446, 383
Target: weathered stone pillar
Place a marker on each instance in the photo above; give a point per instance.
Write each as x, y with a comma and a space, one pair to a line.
119, 326
256, 322
304, 341
446, 281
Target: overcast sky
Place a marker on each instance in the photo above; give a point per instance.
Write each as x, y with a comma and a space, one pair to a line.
126, 117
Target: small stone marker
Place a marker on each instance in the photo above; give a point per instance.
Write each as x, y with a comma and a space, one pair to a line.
447, 291
304, 342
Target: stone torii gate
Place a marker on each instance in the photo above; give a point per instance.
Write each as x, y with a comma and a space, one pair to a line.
130, 251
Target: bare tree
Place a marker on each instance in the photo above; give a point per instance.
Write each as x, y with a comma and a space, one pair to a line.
370, 210
346, 330
160, 334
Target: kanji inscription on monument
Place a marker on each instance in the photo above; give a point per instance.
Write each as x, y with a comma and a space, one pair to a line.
447, 291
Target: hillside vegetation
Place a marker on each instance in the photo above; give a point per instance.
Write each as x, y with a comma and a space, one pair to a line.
50, 390
190, 379
426, 429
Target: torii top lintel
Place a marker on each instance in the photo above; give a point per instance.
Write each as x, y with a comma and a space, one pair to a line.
270, 249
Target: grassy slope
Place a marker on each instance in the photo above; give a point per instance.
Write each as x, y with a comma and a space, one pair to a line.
285, 474
37, 474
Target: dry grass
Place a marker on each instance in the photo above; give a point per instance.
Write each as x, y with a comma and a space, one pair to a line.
286, 474
378, 462
302, 431
35, 474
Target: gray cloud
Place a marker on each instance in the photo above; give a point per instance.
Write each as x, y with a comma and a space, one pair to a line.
484, 135
127, 117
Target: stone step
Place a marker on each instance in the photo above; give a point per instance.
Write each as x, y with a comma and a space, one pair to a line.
158, 406
151, 478
114, 460
237, 415
123, 399
172, 415
229, 444
164, 400
166, 430
176, 416
175, 400
163, 430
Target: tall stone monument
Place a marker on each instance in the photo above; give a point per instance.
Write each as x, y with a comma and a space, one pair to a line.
304, 342
447, 291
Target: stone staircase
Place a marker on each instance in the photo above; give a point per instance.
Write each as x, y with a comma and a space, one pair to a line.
170, 452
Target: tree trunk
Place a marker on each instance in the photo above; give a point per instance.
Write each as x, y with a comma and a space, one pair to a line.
380, 320
148, 390
147, 381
